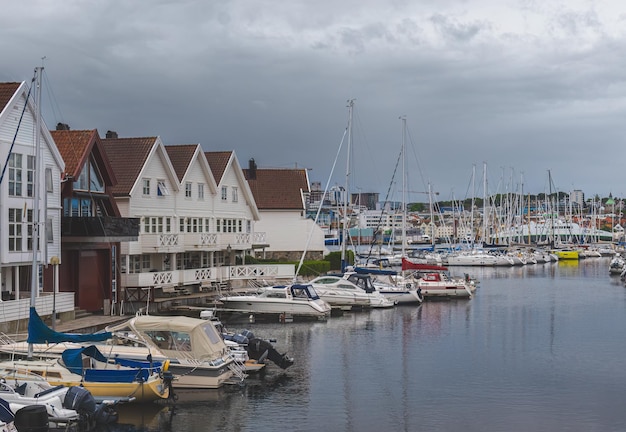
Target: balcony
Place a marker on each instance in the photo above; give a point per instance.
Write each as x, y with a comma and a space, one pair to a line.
204, 276
99, 229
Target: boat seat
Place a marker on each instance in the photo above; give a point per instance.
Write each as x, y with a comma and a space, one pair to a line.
21, 389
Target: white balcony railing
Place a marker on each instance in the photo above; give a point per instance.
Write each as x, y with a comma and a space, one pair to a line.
13, 310
206, 275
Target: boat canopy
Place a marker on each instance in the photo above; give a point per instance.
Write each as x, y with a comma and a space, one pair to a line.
178, 335
39, 332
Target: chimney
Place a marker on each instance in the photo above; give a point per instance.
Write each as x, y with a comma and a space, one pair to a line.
111, 134
63, 126
251, 169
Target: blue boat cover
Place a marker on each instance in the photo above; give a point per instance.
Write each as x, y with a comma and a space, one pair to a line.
374, 271
135, 370
73, 357
39, 332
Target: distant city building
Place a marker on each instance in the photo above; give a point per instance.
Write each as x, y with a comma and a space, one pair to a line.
578, 197
365, 199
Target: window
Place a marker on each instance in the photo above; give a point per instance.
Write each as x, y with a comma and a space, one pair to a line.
29, 230
49, 231
235, 194
181, 227
30, 175
219, 225
49, 183
188, 190
138, 263
162, 189
15, 174
200, 191
146, 187
224, 193
15, 229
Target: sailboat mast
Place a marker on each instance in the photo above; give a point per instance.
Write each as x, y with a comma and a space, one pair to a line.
404, 186
346, 193
34, 278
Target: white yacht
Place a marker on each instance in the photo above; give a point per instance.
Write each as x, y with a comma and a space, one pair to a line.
295, 301
341, 293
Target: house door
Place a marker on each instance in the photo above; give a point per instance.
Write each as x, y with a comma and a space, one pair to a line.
94, 274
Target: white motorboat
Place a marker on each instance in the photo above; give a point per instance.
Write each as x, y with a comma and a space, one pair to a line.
295, 301
66, 407
339, 292
398, 293
440, 285
617, 265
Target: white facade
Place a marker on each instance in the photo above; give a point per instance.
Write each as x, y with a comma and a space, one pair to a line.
17, 193
191, 230
290, 231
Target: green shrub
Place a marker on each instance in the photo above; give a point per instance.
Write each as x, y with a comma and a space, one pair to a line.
334, 258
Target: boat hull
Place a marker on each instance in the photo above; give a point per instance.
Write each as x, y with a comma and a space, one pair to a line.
256, 305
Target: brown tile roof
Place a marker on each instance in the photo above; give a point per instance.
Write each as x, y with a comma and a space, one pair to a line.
217, 162
276, 189
127, 157
180, 157
74, 146
7, 90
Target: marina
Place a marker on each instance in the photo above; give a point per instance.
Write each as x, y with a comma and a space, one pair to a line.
537, 348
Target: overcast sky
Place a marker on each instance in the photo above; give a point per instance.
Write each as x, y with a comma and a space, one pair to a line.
523, 86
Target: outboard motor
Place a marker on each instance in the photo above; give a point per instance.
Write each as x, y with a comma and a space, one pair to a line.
81, 400
260, 349
32, 418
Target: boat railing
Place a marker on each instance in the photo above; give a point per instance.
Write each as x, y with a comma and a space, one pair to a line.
236, 368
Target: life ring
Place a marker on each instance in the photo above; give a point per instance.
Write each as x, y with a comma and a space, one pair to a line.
166, 365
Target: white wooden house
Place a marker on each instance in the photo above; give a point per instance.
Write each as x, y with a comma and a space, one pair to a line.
18, 114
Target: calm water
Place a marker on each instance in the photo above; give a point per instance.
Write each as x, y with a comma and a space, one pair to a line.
539, 348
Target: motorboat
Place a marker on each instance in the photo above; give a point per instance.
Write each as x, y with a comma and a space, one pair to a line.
342, 293
195, 354
617, 265
282, 301
440, 285
370, 280
66, 407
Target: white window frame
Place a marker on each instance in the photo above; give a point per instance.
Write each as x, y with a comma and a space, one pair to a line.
146, 187
188, 186
224, 193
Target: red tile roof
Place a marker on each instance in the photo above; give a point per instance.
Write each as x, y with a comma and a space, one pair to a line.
278, 189
7, 90
127, 157
217, 162
180, 157
74, 146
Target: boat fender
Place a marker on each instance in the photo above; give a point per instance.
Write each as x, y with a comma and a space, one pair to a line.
166, 365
